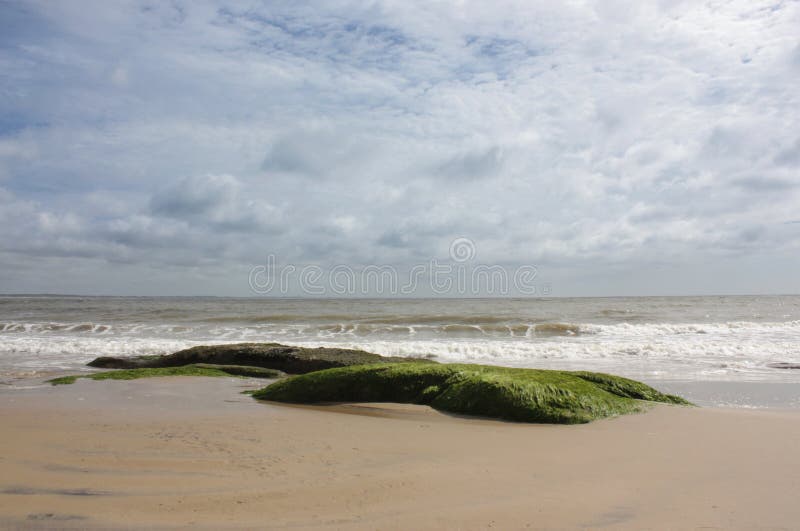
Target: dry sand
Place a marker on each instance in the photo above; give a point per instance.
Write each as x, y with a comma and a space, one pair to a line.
193, 452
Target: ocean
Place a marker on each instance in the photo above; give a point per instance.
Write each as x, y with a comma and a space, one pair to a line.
715, 349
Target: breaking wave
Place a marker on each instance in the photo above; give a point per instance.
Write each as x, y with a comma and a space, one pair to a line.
736, 349
682, 338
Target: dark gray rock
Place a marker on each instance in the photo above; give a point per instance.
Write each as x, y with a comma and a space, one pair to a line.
784, 365
291, 360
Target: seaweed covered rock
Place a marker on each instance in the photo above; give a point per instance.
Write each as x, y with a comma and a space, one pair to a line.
198, 369
527, 395
292, 360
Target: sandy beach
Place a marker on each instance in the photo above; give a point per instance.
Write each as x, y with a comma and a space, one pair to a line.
195, 452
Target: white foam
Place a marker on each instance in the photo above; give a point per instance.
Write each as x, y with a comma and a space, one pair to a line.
70, 352
641, 359
741, 328
736, 350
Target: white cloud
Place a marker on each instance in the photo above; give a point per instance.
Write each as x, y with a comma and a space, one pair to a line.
587, 136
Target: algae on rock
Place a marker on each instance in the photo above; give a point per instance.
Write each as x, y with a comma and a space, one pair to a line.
198, 369
527, 395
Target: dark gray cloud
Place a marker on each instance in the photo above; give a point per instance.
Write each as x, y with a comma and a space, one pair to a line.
313, 153
790, 156
215, 201
195, 198
393, 239
474, 165
754, 183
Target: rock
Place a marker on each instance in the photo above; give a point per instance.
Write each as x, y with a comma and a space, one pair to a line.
292, 360
526, 395
242, 370
784, 365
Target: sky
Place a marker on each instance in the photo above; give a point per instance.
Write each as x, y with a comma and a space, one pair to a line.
619, 148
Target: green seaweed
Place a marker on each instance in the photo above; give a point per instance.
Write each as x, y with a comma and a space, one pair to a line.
526, 395
628, 388
199, 369
64, 380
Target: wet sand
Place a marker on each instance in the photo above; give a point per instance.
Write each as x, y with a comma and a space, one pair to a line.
194, 452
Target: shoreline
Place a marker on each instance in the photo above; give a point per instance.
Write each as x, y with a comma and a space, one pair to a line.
778, 395
174, 452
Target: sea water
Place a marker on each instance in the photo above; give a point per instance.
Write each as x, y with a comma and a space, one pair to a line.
717, 348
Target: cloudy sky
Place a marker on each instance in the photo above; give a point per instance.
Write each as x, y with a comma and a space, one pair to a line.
648, 147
